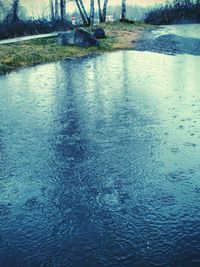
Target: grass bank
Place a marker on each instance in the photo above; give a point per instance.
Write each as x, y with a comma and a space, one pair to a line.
19, 55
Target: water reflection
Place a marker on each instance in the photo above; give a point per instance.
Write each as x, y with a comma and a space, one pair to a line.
100, 163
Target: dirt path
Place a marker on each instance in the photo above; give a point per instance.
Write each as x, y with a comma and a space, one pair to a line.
26, 38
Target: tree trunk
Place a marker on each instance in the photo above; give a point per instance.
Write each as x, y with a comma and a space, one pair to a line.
15, 10
63, 10
84, 11
52, 10
56, 10
91, 12
100, 13
12, 15
123, 9
105, 9
85, 22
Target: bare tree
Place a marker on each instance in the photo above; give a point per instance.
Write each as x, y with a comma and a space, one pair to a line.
105, 9
12, 15
100, 13
89, 20
84, 19
56, 10
52, 10
84, 11
123, 16
63, 10
91, 12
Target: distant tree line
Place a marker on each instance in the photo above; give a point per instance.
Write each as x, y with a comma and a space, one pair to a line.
15, 22
176, 11
10, 10
12, 23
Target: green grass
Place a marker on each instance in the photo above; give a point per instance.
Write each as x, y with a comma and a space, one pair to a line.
33, 52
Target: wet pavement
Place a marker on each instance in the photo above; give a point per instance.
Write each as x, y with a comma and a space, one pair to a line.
99, 162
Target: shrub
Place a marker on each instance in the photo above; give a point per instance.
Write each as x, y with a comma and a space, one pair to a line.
173, 14
30, 27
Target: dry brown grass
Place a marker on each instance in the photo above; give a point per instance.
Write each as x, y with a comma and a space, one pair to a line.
14, 56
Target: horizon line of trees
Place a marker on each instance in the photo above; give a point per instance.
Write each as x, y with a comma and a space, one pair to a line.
175, 11
15, 20
9, 11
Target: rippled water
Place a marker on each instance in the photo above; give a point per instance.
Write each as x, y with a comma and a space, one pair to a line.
99, 162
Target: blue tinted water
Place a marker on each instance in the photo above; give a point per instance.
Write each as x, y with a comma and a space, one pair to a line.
99, 162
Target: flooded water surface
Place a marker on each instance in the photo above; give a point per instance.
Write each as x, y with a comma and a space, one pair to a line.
99, 162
